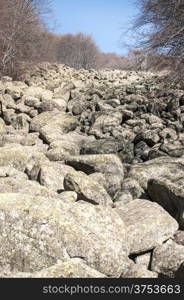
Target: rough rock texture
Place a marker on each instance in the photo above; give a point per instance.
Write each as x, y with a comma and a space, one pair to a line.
87, 188
36, 232
168, 258
108, 164
91, 174
133, 270
170, 196
71, 268
148, 225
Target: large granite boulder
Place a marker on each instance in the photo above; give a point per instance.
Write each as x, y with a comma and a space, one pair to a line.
148, 225
36, 232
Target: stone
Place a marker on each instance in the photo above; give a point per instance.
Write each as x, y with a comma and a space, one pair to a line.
133, 270
60, 104
45, 231
179, 237
8, 172
170, 196
121, 198
144, 260
63, 92
99, 177
71, 268
168, 133
174, 149
21, 122
52, 175
148, 225
61, 149
31, 101
164, 167
14, 185
132, 186
38, 92
15, 92
121, 148
87, 188
167, 259
14, 157
55, 130
108, 164
2, 125
52, 124
43, 119
142, 150
105, 123
149, 137
68, 196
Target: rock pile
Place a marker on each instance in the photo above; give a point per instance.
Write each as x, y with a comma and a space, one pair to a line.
91, 175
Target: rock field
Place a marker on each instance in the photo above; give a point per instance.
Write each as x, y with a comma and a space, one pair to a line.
91, 175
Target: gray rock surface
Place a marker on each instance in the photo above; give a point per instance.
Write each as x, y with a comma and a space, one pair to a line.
148, 225
36, 232
168, 258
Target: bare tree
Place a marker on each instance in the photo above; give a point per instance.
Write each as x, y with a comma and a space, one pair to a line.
77, 51
20, 25
112, 61
164, 24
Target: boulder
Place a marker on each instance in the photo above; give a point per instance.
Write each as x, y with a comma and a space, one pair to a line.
148, 225
167, 259
52, 175
162, 167
39, 93
71, 268
108, 164
137, 271
179, 237
169, 195
87, 188
60, 150
37, 232
105, 123
2, 125
52, 125
14, 157
121, 147
43, 119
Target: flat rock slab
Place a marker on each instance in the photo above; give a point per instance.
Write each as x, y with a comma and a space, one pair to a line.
148, 224
36, 232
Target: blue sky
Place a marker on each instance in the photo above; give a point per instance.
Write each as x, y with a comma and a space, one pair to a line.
105, 20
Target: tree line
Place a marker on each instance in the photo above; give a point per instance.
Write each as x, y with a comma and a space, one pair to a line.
25, 39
